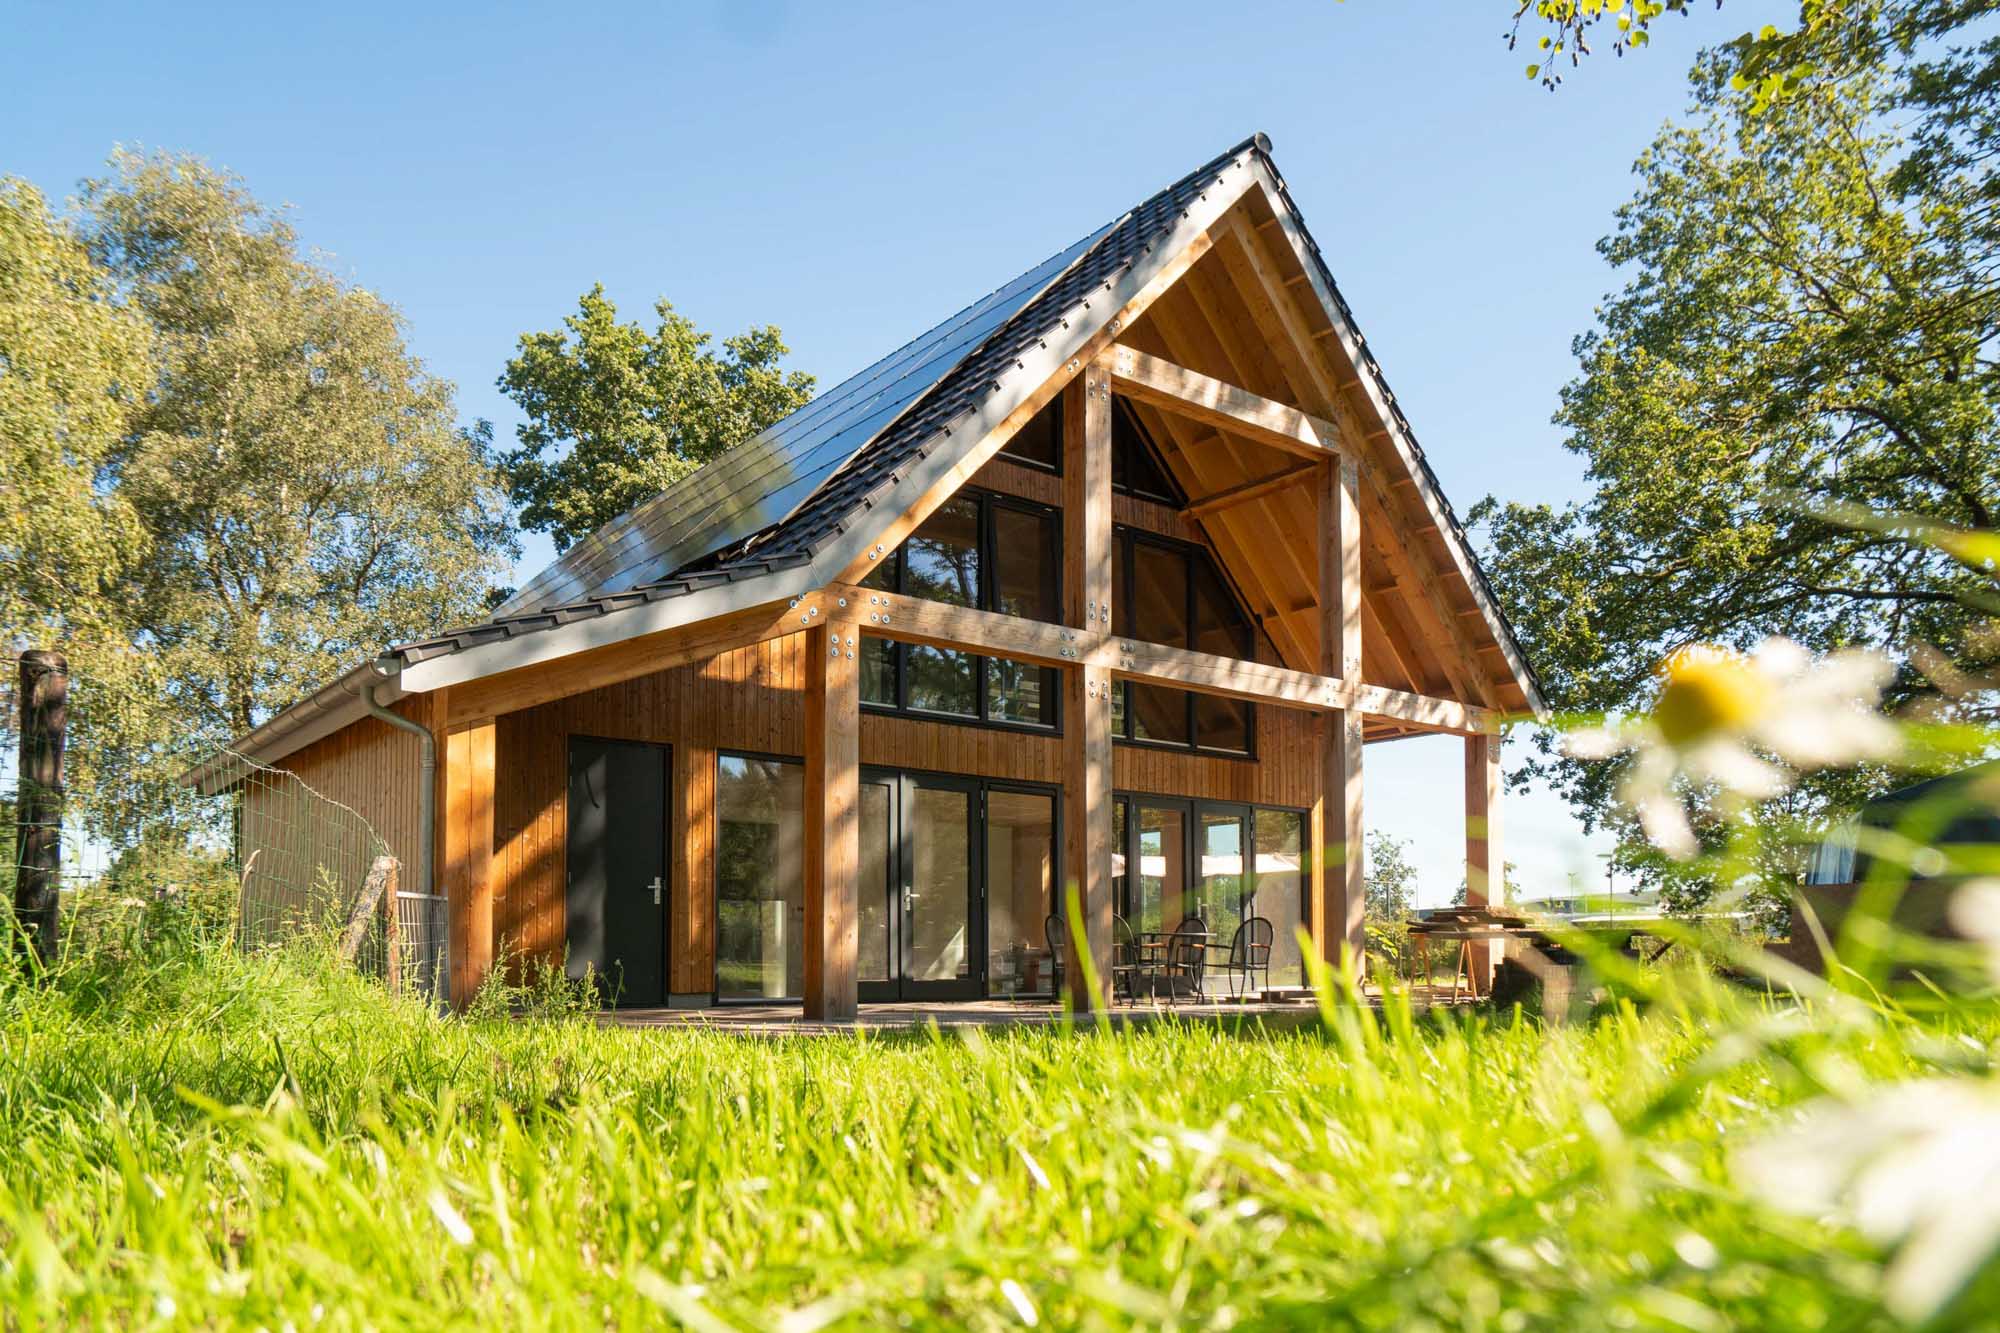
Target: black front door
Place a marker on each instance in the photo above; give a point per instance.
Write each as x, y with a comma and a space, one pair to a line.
920, 875
616, 903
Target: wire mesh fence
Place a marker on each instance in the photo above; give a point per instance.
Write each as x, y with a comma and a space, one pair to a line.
254, 851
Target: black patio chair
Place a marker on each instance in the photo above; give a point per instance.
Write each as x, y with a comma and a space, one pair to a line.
1185, 968
1250, 954
1055, 934
1128, 968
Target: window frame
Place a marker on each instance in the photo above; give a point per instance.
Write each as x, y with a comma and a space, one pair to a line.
988, 600
1192, 808
1125, 540
716, 997
1176, 499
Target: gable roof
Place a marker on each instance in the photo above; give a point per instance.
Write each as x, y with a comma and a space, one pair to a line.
788, 510
706, 530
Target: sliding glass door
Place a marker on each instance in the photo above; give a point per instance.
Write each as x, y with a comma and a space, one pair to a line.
1020, 868
937, 953
1218, 861
958, 878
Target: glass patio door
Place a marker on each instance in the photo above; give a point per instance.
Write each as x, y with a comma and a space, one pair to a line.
1225, 868
919, 884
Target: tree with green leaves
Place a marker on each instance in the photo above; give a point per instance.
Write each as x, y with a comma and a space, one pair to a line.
1390, 883
306, 493
73, 363
1798, 376
616, 413
1510, 888
1772, 63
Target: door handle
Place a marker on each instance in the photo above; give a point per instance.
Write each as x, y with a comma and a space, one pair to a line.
656, 890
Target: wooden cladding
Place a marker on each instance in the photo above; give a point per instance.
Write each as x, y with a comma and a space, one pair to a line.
744, 699
753, 700
371, 768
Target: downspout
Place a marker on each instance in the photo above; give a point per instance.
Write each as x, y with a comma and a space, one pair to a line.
427, 801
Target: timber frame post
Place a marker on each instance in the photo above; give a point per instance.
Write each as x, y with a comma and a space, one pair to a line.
1087, 685
1485, 866
832, 822
1343, 893
465, 851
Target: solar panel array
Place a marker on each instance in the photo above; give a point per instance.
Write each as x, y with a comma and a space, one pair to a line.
761, 481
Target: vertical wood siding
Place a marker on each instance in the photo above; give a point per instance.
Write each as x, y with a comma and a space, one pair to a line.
370, 767
752, 699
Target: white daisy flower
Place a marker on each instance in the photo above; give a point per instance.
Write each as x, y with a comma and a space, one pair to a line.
1915, 1167
1721, 713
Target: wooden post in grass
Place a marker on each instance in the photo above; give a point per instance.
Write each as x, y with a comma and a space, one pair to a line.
38, 803
392, 934
381, 878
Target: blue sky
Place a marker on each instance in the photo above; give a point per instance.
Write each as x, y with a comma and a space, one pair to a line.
853, 173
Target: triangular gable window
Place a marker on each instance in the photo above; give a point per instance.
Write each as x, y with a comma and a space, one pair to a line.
1136, 468
1135, 460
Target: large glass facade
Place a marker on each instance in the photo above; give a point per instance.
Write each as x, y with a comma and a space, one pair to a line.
977, 550
1020, 890
1171, 593
1175, 859
759, 878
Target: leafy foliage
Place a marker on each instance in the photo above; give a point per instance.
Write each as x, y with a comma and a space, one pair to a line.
73, 362
1569, 25
1798, 374
299, 490
1391, 880
617, 414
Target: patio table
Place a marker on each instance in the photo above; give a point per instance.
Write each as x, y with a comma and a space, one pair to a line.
1152, 946
1465, 926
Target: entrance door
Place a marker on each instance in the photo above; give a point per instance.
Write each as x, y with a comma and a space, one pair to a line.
919, 886
616, 903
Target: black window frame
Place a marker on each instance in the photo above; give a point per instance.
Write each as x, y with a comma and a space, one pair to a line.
1137, 435
1125, 540
1192, 808
716, 997
988, 600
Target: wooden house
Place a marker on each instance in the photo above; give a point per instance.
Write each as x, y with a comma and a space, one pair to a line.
1105, 583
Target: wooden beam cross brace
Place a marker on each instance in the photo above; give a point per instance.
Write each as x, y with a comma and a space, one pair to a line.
1256, 489
1189, 393
916, 620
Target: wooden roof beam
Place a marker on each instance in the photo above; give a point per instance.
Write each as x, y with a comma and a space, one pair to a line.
1189, 393
857, 611
1238, 347
1182, 339
1258, 281
1231, 496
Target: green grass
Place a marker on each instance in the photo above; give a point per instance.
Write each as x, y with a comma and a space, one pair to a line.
193, 1137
